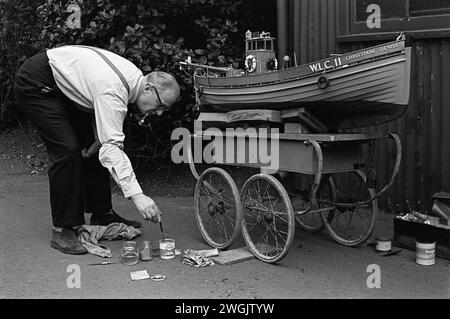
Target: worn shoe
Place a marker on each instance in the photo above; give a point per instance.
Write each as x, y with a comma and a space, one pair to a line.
112, 217
66, 241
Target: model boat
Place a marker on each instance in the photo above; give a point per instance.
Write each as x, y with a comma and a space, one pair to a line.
357, 89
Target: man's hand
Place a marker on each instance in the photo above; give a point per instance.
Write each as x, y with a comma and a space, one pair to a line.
147, 208
93, 150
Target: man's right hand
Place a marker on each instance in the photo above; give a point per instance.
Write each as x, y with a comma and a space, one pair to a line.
147, 208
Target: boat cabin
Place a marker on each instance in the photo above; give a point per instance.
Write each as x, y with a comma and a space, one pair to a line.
260, 52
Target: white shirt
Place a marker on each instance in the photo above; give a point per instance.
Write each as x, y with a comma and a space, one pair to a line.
85, 78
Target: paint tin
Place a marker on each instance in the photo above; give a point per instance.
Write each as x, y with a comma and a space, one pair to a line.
167, 248
383, 243
425, 253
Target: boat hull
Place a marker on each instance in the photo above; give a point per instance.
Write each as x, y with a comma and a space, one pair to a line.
367, 93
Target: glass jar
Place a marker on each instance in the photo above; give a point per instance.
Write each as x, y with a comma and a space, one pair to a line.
130, 253
146, 251
167, 248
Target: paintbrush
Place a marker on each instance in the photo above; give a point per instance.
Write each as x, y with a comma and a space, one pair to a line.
162, 230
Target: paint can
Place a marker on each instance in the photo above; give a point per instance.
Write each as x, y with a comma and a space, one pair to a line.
383, 243
167, 248
425, 253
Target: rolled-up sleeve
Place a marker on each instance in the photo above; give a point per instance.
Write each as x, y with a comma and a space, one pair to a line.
110, 112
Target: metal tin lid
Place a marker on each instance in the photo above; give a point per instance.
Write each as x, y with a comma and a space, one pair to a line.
158, 277
383, 238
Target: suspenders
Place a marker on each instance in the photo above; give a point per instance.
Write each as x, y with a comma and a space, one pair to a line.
108, 61
119, 74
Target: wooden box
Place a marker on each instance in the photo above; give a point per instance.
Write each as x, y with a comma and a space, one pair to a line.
406, 233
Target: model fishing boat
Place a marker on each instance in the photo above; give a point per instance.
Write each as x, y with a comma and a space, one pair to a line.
362, 88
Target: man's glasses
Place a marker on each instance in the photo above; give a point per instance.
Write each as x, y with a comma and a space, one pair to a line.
161, 108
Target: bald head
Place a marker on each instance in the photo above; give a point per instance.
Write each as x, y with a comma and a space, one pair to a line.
158, 83
167, 86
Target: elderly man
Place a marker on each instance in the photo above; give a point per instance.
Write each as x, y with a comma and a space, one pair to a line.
78, 98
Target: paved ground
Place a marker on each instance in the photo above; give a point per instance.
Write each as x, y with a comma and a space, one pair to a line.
316, 267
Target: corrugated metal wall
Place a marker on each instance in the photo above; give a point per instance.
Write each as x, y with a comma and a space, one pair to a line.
310, 28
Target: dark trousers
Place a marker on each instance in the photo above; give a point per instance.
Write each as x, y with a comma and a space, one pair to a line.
77, 186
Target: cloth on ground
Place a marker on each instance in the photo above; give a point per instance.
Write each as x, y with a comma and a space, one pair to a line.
193, 258
89, 237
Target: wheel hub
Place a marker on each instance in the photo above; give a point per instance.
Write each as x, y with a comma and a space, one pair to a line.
216, 208
268, 218
211, 209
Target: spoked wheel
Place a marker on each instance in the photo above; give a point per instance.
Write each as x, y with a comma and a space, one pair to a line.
268, 224
351, 225
303, 204
218, 208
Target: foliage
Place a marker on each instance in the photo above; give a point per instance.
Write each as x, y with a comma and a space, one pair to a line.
155, 35
17, 42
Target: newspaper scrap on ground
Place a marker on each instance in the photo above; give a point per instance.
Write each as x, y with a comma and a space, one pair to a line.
199, 258
139, 275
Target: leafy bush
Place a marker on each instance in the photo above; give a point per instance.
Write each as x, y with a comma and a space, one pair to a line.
155, 35
18, 40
